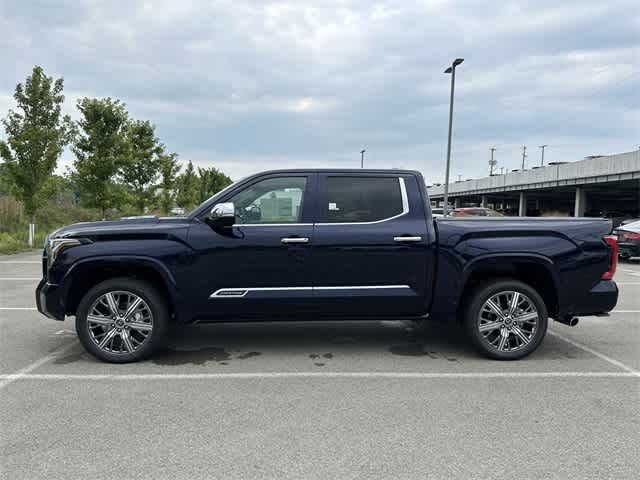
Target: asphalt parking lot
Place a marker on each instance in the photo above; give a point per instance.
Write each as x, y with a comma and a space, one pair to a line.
317, 400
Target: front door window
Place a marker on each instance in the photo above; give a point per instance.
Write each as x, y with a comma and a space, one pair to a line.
273, 200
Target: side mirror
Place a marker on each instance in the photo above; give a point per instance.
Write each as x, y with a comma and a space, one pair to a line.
222, 215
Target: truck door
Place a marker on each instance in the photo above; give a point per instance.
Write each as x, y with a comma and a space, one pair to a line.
259, 268
372, 248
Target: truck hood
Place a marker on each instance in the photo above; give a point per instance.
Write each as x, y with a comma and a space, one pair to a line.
127, 225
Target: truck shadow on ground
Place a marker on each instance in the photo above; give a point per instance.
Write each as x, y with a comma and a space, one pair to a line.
320, 342
199, 344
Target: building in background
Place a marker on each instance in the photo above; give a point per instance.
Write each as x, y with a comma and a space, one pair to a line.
607, 185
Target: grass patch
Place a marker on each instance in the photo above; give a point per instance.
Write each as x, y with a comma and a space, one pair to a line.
10, 244
14, 226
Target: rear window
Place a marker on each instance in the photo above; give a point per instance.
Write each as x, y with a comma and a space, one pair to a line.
363, 199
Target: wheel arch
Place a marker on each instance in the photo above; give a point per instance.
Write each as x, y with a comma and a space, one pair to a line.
85, 274
536, 271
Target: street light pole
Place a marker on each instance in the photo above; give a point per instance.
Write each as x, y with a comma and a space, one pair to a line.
362, 158
492, 162
452, 71
542, 147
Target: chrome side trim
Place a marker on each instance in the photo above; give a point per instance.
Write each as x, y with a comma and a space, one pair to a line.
242, 291
364, 287
405, 209
272, 225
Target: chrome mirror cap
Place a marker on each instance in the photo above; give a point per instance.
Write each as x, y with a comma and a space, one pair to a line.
223, 210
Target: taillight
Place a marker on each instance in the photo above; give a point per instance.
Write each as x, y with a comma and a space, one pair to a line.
612, 242
630, 236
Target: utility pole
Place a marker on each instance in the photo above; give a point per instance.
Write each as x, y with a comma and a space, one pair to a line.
492, 162
524, 155
542, 147
362, 158
452, 71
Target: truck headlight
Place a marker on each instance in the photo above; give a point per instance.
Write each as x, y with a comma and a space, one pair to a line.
55, 246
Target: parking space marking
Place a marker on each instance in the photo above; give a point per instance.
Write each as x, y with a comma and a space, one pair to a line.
627, 283
307, 375
18, 308
7, 379
590, 350
21, 261
9, 279
630, 272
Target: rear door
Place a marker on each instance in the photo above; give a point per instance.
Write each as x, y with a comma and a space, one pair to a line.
371, 246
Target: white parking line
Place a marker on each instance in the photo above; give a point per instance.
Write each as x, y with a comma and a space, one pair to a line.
602, 356
18, 308
308, 375
10, 279
12, 377
21, 261
630, 272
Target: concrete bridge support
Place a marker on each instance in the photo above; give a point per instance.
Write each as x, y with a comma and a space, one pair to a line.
522, 206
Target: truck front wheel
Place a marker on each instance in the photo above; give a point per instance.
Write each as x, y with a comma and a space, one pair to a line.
122, 320
506, 319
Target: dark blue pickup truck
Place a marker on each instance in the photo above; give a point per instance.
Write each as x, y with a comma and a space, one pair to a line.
325, 244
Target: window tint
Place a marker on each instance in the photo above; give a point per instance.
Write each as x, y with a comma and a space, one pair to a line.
362, 199
274, 200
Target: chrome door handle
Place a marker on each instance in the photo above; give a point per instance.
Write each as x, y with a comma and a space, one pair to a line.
294, 240
407, 239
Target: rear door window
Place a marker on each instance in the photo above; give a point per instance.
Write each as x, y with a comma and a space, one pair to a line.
363, 199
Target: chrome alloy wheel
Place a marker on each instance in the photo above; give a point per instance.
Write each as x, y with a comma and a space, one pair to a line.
508, 321
119, 322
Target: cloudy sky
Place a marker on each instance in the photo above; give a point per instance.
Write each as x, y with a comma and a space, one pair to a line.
252, 85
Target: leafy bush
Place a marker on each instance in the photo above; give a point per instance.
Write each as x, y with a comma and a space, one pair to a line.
14, 225
9, 244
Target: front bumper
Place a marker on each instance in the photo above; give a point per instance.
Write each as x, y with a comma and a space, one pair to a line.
49, 300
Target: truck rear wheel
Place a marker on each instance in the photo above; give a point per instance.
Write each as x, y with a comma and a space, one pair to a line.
506, 319
122, 320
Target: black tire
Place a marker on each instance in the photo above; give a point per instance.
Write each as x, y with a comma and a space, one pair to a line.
146, 292
471, 322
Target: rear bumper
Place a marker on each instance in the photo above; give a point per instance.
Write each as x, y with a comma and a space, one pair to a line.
49, 300
602, 298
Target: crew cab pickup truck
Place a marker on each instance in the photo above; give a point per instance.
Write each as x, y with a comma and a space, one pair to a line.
320, 245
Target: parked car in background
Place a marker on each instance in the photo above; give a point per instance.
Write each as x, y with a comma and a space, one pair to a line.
617, 218
628, 235
437, 212
475, 212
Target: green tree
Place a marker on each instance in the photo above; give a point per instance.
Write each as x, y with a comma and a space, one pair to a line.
36, 136
169, 169
211, 181
100, 149
141, 168
188, 184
